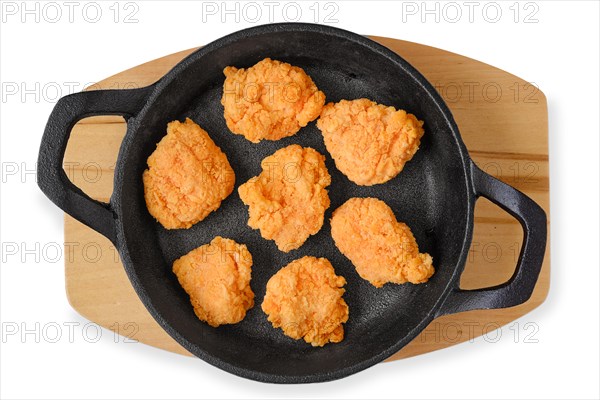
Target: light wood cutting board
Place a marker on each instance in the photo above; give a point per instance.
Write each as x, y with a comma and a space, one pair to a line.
502, 118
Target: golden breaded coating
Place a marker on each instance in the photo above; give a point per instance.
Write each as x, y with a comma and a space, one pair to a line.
304, 299
187, 177
270, 100
381, 248
287, 201
369, 142
217, 278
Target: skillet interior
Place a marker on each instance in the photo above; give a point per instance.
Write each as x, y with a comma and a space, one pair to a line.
431, 195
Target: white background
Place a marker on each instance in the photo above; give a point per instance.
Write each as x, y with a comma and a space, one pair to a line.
559, 52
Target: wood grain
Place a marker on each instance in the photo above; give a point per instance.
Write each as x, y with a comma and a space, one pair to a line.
503, 121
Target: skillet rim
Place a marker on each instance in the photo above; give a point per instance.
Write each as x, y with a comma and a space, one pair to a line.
120, 209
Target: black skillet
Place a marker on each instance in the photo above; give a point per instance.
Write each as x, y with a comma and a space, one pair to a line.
435, 195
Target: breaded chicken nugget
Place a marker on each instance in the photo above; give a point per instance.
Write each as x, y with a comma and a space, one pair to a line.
381, 248
187, 177
217, 278
270, 100
304, 299
287, 201
369, 142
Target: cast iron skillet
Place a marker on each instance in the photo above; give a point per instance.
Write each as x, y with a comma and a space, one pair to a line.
435, 195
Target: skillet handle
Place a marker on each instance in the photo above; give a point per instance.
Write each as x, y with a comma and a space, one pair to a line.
52, 178
520, 286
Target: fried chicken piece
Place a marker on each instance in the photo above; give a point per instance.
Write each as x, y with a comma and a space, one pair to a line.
270, 100
382, 249
287, 201
369, 142
187, 177
304, 299
217, 278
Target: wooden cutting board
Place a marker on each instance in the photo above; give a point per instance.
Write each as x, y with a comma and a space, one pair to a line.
503, 121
